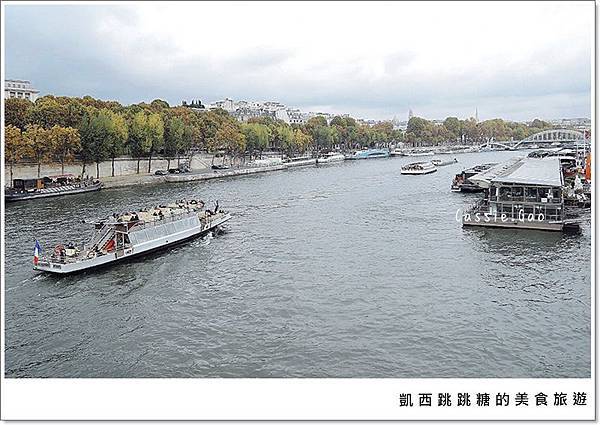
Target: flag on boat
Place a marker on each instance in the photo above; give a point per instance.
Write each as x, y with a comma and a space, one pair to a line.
37, 250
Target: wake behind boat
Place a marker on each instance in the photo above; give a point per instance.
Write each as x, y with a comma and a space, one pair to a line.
130, 234
418, 168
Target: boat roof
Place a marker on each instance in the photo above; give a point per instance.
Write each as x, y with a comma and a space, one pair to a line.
526, 171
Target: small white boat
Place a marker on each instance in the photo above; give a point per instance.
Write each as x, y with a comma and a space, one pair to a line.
418, 168
330, 157
398, 152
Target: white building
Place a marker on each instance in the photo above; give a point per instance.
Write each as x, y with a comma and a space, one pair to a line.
21, 89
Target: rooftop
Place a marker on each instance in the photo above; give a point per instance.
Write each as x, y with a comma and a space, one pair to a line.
526, 171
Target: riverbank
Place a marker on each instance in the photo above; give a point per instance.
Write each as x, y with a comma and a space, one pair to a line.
197, 175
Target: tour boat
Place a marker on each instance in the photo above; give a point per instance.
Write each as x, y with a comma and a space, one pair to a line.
418, 168
127, 235
330, 157
46, 187
370, 154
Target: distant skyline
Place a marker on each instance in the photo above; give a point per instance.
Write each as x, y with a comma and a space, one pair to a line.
376, 60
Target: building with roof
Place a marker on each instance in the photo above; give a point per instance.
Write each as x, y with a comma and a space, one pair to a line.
20, 89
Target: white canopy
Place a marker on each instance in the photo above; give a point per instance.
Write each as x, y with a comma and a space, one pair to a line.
526, 171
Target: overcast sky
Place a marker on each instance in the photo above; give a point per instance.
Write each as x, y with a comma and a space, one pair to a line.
373, 60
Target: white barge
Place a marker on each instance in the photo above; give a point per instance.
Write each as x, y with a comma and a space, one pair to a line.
134, 233
522, 193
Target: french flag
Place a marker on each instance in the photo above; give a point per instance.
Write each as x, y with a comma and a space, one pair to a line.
37, 250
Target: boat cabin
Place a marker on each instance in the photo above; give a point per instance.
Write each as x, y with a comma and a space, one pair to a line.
527, 193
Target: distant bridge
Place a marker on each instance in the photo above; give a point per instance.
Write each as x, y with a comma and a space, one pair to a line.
551, 136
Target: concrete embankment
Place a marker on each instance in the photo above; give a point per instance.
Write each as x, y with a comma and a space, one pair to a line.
216, 174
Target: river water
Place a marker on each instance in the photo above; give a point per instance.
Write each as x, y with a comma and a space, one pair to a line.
345, 270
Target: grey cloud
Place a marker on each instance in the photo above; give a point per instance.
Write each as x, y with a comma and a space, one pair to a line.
60, 50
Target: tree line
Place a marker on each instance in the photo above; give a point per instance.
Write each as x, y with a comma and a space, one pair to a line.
470, 131
64, 129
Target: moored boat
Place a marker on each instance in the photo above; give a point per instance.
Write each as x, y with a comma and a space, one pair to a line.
46, 187
418, 168
370, 154
461, 182
420, 153
130, 234
523, 194
330, 157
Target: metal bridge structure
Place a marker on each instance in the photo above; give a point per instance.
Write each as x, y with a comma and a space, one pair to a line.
551, 136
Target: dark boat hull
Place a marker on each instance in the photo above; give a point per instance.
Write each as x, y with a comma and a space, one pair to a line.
14, 197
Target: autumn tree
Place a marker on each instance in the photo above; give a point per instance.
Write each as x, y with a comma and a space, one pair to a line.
14, 146
37, 144
65, 143
17, 112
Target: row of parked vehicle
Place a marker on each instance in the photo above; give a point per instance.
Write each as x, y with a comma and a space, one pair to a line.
182, 168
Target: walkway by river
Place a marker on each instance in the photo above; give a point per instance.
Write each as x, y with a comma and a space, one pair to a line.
345, 270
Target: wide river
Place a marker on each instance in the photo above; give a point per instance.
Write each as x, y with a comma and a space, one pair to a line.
345, 270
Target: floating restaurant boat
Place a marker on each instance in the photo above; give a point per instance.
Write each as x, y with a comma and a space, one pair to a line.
330, 157
441, 162
46, 187
418, 168
461, 182
526, 193
370, 154
131, 234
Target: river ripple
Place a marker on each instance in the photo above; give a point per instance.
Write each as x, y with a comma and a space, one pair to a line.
347, 270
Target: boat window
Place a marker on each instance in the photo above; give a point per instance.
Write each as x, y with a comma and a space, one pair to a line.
506, 209
505, 193
517, 193
556, 194
531, 194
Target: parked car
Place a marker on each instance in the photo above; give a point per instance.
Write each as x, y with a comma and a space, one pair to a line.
184, 168
174, 170
220, 167
160, 173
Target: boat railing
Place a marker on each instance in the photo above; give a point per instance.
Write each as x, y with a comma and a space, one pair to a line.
142, 224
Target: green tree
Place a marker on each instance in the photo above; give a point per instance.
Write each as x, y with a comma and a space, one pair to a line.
174, 137
155, 131
117, 137
453, 127
257, 137
96, 133
138, 143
